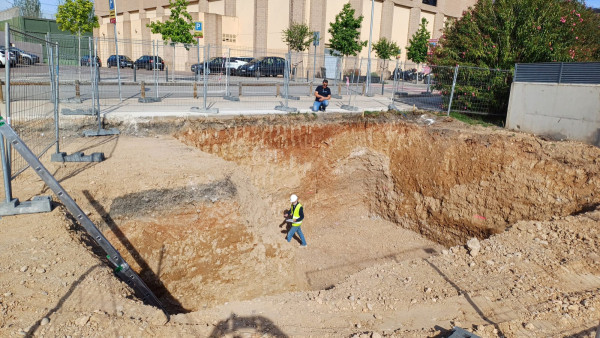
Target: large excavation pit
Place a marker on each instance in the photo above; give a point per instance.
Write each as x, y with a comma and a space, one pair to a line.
373, 191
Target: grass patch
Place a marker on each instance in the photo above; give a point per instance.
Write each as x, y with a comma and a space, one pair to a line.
483, 120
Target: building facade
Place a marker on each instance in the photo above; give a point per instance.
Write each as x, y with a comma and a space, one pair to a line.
257, 25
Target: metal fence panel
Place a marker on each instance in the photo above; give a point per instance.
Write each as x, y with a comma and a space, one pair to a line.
30, 102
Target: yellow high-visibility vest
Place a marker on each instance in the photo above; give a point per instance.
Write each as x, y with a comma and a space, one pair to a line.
296, 214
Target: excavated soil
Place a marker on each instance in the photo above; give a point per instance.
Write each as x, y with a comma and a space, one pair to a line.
196, 208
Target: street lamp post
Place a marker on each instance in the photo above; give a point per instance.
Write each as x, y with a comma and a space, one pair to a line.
369, 56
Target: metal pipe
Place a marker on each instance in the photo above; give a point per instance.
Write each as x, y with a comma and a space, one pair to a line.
92, 80
118, 56
57, 97
6, 149
452, 92
97, 79
369, 55
206, 51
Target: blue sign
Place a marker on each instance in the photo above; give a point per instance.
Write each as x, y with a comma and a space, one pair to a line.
198, 26
111, 5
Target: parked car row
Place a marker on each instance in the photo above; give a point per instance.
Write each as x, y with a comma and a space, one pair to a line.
143, 62
242, 66
18, 56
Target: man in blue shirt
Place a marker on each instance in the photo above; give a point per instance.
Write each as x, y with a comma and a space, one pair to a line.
322, 97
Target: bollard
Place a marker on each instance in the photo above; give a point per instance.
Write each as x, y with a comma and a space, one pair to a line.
309, 89
143, 90
134, 72
364, 88
166, 74
339, 89
240, 89
77, 92
1, 92
278, 90
195, 90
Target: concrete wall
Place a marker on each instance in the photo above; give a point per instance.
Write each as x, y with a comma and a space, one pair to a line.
562, 111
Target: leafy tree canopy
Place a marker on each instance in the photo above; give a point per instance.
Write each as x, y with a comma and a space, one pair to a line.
76, 16
419, 44
298, 37
177, 28
498, 34
385, 49
29, 8
345, 32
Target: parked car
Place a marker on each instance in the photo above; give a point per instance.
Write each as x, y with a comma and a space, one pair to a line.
149, 62
13, 59
27, 58
264, 66
236, 62
86, 59
124, 61
215, 64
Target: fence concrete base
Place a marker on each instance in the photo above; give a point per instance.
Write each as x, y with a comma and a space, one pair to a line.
290, 97
350, 108
204, 111
231, 98
77, 157
67, 111
149, 99
71, 100
36, 205
101, 132
286, 109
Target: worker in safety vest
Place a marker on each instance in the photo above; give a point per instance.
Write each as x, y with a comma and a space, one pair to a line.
296, 214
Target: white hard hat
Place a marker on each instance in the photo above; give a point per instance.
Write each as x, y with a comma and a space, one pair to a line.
293, 198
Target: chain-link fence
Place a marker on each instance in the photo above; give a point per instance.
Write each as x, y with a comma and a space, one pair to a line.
176, 78
29, 91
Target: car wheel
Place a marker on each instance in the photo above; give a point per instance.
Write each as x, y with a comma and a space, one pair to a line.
108, 65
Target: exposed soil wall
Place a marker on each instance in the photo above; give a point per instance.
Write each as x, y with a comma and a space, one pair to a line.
444, 183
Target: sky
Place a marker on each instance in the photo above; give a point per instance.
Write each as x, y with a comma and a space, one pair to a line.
49, 6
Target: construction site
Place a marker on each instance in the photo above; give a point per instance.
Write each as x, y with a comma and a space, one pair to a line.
416, 224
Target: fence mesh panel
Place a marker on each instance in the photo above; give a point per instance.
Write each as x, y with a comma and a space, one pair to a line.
31, 98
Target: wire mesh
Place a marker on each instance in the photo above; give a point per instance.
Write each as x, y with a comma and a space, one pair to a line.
31, 111
481, 91
170, 78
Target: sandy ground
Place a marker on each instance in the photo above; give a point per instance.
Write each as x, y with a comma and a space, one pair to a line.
195, 207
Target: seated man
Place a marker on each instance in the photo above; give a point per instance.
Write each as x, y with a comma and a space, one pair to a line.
322, 97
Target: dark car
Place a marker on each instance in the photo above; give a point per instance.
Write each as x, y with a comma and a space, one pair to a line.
124, 61
264, 66
149, 62
86, 59
214, 65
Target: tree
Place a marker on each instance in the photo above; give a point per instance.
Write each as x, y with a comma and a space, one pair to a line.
419, 44
497, 34
177, 28
298, 37
77, 17
385, 50
345, 32
29, 8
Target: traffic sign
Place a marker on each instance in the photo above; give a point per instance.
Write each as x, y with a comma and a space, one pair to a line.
112, 12
316, 38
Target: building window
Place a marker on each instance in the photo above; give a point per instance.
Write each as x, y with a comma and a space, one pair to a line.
430, 2
229, 38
